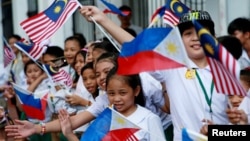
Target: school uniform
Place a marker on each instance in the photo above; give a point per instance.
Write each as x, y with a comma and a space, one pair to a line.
150, 124
245, 105
101, 102
153, 94
83, 93
188, 105
244, 60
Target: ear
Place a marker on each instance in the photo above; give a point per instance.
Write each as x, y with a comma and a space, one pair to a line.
247, 35
137, 90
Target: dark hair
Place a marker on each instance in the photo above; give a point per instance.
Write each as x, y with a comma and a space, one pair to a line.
83, 53
202, 17
125, 8
75, 38
245, 75
232, 44
105, 45
55, 51
15, 36
87, 66
108, 56
241, 24
133, 81
29, 63
82, 39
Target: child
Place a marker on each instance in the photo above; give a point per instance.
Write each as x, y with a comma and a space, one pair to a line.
83, 99
37, 82
71, 46
240, 29
188, 106
124, 93
241, 114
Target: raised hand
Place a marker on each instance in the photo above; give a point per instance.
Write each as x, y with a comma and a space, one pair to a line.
21, 129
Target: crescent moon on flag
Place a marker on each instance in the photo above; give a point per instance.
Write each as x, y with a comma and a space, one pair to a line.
172, 5
204, 31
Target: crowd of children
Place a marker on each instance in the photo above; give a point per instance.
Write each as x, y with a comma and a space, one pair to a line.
161, 102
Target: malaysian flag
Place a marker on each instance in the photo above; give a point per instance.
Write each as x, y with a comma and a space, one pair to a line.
224, 67
43, 25
174, 10
59, 76
32, 50
9, 54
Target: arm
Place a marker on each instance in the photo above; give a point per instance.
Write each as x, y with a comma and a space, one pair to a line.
77, 100
66, 125
116, 32
24, 129
36, 82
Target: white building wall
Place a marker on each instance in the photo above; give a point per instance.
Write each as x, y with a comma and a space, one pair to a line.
19, 11
224, 11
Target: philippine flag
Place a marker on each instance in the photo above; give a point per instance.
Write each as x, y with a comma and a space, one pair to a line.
153, 49
33, 107
189, 135
111, 126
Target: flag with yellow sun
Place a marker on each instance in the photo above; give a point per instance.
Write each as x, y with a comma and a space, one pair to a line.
153, 49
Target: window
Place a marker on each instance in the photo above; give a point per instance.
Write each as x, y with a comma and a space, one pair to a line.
7, 18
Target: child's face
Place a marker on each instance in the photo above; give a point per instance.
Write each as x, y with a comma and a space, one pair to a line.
243, 37
89, 57
101, 71
97, 53
47, 59
25, 58
11, 43
89, 80
79, 63
235, 100
70, 50
121, 95
33, 72
192, 44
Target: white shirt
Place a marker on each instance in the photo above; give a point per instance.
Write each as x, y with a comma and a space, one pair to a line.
149, 122
244, 60
187, 102
83, 93
152, 90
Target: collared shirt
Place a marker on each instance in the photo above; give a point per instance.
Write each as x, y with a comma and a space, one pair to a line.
188, 105
244, 60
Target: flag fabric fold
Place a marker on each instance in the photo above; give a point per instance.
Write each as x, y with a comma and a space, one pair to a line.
157, 14
224, 67
110, 125
112, 8
59, 76
189, 135
32, 50
173, 11
43, 25
9, 54
34, 107
153, 49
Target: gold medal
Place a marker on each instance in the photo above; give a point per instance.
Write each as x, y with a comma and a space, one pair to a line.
190, 74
